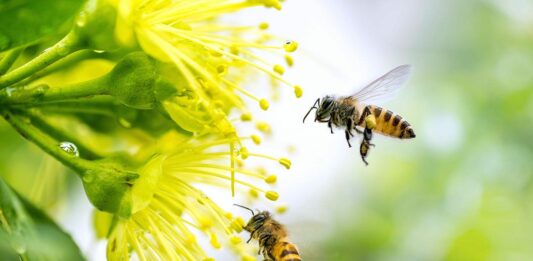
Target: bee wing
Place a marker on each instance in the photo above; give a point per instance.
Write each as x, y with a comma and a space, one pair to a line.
385, 87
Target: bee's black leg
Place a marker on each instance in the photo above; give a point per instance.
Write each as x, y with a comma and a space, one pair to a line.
348, 138
330, 126
358, 130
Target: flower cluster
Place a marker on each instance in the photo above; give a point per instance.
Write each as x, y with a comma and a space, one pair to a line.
138, 99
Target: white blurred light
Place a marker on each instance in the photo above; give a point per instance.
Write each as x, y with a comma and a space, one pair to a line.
444, 132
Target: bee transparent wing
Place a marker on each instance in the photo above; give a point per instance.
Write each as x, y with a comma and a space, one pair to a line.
385, 87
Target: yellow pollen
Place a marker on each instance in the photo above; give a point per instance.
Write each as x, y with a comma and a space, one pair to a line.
370, 121
237, 224
272, 195
253, 193
263, 26
256, 139
289, 60
290, 46
298, 91
281, 208
271, 179
246, 117
263, 103
235, 239
285, 162
208, 259
279, 69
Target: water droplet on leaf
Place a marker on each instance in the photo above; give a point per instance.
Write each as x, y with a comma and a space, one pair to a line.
69, 148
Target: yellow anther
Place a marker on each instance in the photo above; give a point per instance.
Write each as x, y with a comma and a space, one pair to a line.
235, 239
240, 162
244, 153
263, 127
263, 26
289, 60
298, 91
253, 193
208, 259
237, 224
290, 46
214, 241
246, 116
215, 53
228, 215
222, 69
370, 121
271, 179
205, 222
272, 195
285, 162
263, 103
279, 69
256, 139
282, 208
191, 239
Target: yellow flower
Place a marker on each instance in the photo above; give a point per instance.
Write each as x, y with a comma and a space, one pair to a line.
212, 58
169, 209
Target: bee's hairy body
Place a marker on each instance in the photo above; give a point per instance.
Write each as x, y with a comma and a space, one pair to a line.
272, 238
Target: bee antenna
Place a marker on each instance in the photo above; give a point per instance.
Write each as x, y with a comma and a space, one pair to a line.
253, 214
314, 107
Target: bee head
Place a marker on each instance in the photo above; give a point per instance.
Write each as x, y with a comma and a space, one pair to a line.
323, 108
257, 221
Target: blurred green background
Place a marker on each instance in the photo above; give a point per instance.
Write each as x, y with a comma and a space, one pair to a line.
463, 190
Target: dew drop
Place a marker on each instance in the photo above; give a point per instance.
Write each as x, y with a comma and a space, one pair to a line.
69, 148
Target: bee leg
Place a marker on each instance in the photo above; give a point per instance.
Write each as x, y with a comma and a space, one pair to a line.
348, 138
330, 126
363, 151
358, 130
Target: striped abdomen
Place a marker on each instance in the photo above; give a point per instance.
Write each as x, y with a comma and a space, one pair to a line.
389, 123
285, 251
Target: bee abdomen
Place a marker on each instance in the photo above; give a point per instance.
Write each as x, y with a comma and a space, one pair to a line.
389, 123
288, 252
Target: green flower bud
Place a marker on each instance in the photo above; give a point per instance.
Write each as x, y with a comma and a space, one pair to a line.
132, 81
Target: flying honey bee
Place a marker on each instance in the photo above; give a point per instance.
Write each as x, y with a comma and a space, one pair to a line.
272, 237
351, 112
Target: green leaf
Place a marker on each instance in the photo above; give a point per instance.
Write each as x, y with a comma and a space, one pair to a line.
26, 233
26, 21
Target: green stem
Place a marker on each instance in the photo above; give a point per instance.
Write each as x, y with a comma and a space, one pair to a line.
46, 143
43, 93
9, 59
69, 44
76, 57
